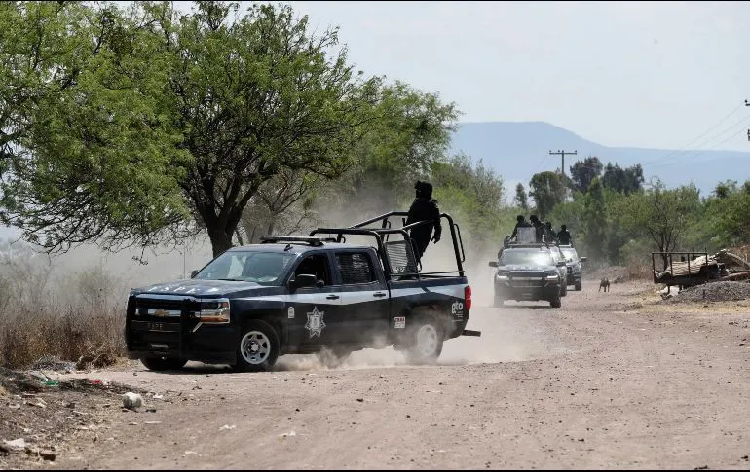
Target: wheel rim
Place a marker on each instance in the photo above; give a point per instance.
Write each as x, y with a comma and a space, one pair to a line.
427, 340
255, 347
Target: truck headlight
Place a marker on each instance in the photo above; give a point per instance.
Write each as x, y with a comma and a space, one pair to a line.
502, 276
215, 311
550, 277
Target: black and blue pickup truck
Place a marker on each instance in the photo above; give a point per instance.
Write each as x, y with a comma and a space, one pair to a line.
303, 294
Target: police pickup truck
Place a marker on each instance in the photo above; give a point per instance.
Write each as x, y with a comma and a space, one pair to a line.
303, 294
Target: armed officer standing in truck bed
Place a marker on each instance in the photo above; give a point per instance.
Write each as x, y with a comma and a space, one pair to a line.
424, 208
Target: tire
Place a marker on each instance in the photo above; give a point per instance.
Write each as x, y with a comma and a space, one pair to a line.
563, 290
160, 364
425, 341
258, 348
499, 301
333, 357
555, 302
578, 286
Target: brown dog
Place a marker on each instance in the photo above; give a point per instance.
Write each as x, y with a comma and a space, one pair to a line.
604, 283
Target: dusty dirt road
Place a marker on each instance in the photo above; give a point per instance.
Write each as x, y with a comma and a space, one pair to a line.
612, 380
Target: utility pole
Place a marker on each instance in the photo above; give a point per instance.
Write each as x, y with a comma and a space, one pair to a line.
747, 104
562, 153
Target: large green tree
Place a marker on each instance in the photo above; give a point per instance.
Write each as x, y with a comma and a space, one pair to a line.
583, 172
177, 119
547, 189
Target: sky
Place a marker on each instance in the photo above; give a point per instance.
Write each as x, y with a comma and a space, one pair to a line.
637, 74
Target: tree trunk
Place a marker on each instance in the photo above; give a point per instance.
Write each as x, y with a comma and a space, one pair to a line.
221, 240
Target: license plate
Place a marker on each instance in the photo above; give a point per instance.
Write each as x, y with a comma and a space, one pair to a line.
156, 326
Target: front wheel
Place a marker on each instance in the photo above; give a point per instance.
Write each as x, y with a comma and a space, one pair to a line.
564, 290
160, 364
426, 341
499, 301
555, 302
578, 286
258, 348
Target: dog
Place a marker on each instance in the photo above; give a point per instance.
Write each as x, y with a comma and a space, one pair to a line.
604, 283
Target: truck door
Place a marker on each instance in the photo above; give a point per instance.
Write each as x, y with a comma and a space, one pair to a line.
365, 300
313, 313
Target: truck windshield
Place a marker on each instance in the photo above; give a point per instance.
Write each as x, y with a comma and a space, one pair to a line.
526, 258
570, 254
265, 268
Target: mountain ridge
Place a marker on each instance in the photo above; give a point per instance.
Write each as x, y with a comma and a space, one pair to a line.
517, 150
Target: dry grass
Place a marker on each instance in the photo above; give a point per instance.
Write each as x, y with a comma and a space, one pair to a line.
49, 313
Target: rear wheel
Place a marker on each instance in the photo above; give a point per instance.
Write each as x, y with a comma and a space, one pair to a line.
426, 341
258, 348
160, 364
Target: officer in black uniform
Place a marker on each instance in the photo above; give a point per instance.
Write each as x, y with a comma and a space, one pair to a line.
539, 226
549, 234
424, 208
564, 236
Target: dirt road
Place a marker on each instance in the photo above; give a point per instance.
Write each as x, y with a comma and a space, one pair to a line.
609, 381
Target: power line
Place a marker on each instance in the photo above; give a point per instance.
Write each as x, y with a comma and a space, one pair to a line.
562, 153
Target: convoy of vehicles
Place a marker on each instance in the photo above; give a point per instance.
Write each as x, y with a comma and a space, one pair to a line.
527, 270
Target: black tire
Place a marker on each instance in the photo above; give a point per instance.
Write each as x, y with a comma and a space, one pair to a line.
578, 286
425, 340
160, 364
555, 302
563, 290
333, 357
257, 348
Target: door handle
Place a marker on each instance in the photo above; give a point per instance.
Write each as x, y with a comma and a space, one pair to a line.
332, 297
378, 294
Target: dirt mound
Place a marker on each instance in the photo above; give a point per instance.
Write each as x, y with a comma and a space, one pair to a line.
724, 291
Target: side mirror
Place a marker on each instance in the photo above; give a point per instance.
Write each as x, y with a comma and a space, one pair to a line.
583, 259
303, 280
493, 264
193, 274
561, 264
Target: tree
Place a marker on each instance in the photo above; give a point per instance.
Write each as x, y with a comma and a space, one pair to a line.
627, 180
521, 200
582, 173
412, 131
547, 189
662, 215
595, 220
182, 119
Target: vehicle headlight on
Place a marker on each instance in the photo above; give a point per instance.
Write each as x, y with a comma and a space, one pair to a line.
215, 311
502, 276
552, 276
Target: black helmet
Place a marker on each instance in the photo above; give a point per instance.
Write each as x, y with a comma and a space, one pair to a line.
519, 218
564, 227
424, 189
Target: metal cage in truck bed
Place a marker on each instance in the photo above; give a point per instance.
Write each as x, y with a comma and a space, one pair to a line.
398, 256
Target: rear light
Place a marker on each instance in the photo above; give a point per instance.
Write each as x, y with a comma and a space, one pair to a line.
467, 297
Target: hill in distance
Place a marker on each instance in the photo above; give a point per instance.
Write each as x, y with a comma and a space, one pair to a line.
518, 150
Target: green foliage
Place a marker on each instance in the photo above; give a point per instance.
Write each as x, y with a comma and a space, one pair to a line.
547, 189
627, 180
584, 172
521, 200
177, 116
473, 194
661, 215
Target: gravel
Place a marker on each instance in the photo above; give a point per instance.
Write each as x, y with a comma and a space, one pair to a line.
724, 291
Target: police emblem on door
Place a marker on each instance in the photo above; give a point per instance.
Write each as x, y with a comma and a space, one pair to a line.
315, 322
